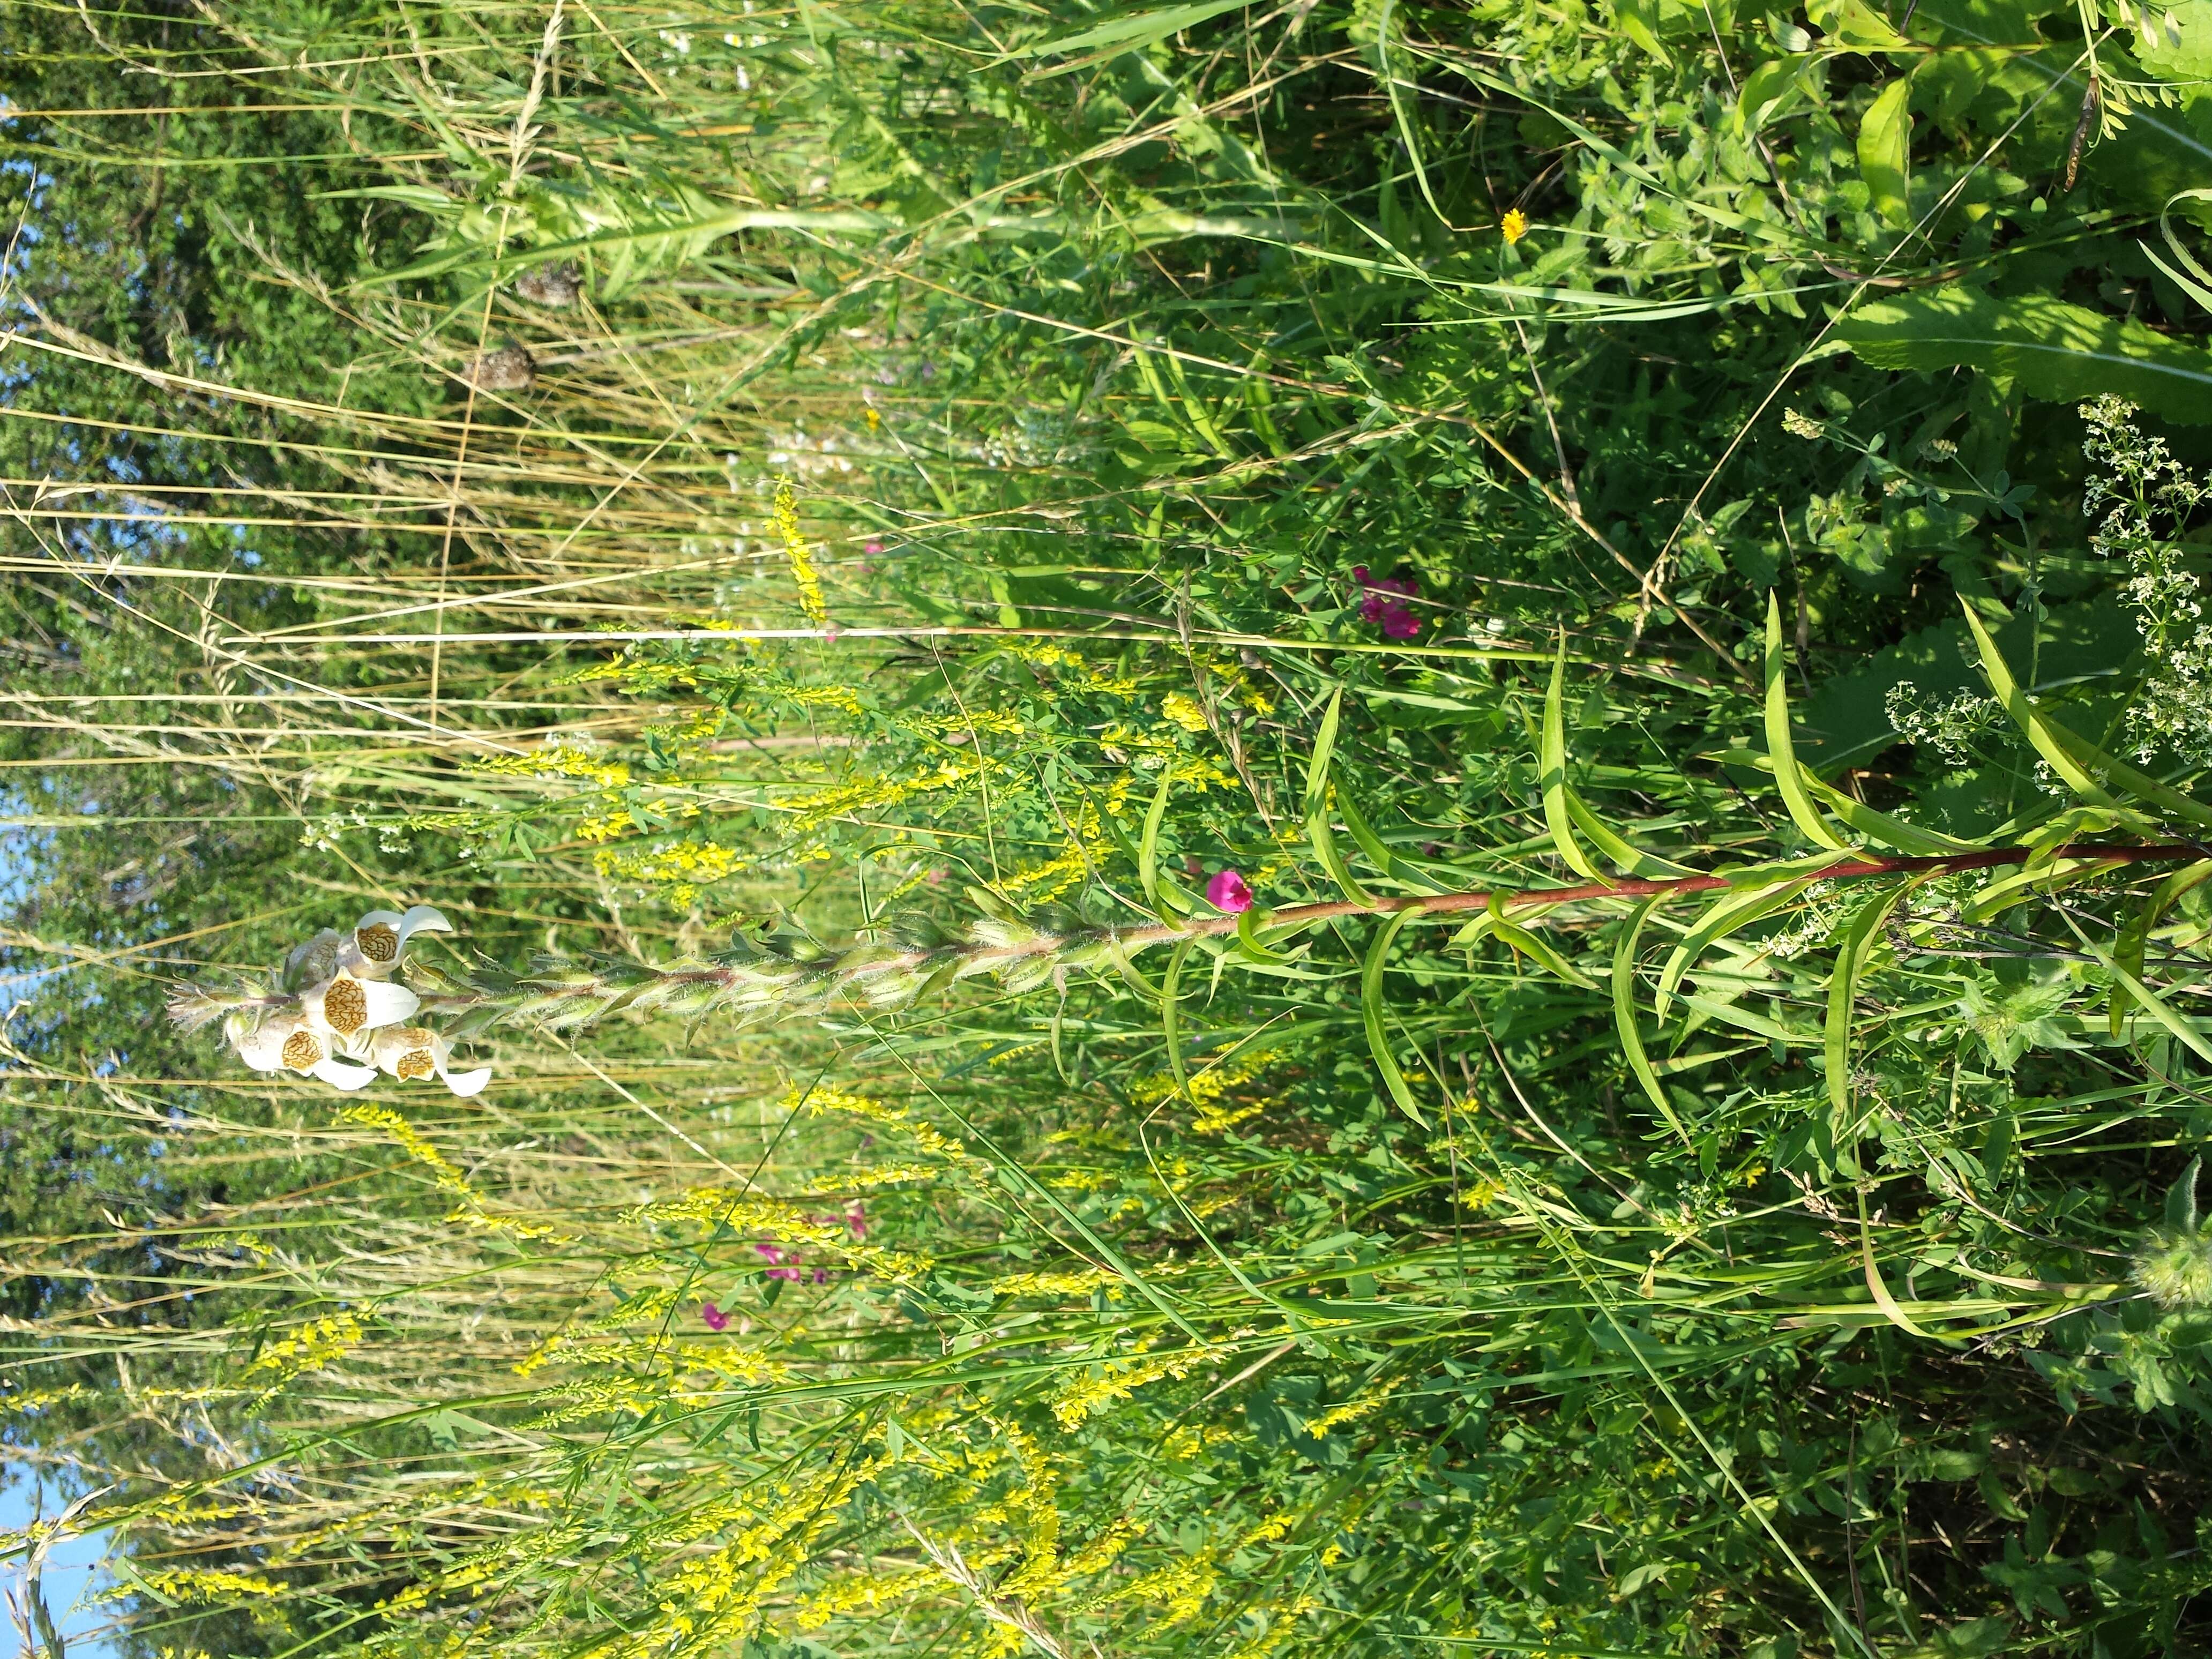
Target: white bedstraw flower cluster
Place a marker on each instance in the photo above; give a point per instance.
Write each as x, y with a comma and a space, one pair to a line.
342, 1019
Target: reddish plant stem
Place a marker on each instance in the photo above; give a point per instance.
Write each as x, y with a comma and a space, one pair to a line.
994, 957
1849, 869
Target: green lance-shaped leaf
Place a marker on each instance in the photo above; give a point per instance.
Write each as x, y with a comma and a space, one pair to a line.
1723, 916
1148, 849
1778, 744
1884, 150
1880, 828
1534, 946
1567, 815
2152, 1004
2035, 726
2197, 283
1171, 1018
1551, 761
2181, 1198
2068, 752
1371, 1014
1882, 1299
1851, 958
1624, 1015
1129, 32
1317, 804
2128, 949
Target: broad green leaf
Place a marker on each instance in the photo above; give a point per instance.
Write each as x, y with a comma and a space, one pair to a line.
1778, 745
2048, 348
1624, 1015
1370, 1013
1884, 149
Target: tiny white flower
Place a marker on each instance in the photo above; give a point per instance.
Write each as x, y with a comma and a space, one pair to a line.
415, 1051
292, 1044
343, 1007
378, 937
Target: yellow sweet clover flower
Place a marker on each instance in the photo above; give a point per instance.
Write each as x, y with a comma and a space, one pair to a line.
206, 1585
1206, 1091
316, 1346
784, 517
1184, 711
561, 758
1117, 1379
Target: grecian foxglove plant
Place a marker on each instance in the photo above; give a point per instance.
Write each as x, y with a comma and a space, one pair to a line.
333, 1011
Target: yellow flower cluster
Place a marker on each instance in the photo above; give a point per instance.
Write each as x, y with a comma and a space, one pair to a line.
873, 794
1095, 679
316, 1345
925, 1135
1207, 1090
681, 869
1117, 1379
558, 759
206, 1583
471, 1210
784, 517
1184, 711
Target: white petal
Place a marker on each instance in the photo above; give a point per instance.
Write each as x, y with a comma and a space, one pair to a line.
468, 1082
424, 919
370, 918
339, 1075
263, 1050
388, 1005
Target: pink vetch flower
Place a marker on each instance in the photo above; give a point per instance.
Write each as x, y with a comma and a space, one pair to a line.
1227, 892
715, 1318
871, 548
777, 1256
1383, 604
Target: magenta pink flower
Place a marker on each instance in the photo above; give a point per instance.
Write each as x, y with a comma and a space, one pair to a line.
871, 548
715, 1318
1227, 892
1383, 604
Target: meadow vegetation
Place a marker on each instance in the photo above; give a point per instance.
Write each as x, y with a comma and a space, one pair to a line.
1365, 826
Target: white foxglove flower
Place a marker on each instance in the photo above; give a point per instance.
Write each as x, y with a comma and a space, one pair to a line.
345, 1008
416, 1051
291, 1044
373, 951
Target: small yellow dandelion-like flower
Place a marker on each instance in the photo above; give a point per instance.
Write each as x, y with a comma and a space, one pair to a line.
875, 420
1514, 226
